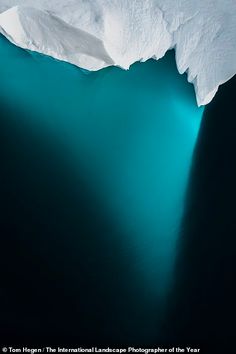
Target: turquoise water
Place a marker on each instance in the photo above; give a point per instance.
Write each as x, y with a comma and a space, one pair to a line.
130, 134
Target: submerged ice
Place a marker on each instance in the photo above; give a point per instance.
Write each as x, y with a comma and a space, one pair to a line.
94, 34
100, 162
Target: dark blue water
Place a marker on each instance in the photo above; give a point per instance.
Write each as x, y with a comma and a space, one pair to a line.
130, 135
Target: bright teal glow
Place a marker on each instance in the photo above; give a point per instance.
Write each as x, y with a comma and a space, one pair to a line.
131, 132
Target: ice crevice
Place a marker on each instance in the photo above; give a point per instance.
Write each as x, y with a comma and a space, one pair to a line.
94, 34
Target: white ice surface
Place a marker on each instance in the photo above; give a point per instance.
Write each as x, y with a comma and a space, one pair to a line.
93, 34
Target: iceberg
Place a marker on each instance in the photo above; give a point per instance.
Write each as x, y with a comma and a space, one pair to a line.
94, 34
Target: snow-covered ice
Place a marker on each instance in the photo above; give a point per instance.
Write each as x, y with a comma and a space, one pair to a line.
93, 34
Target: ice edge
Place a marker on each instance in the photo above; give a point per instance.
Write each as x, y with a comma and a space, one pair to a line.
85, 50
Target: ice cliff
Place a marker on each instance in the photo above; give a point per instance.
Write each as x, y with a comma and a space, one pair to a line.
93, 34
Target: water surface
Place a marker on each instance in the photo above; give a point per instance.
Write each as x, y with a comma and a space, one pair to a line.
123, 142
